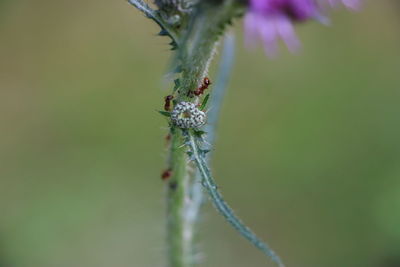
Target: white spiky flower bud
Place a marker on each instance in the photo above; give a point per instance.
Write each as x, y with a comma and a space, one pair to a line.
186, 115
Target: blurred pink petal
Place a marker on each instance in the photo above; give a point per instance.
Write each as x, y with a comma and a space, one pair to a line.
271, 20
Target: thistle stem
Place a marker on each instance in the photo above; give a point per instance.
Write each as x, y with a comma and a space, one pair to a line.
178, 255
217, 96
195, 51
220, 86
193, 56
209, 184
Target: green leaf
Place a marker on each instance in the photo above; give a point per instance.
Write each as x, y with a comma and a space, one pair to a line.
199, 133
205, 100
165, 113
177, 84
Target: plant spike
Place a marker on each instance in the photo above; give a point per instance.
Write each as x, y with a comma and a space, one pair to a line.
150, 13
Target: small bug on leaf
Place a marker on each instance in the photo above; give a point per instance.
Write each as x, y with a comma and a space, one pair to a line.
166, 174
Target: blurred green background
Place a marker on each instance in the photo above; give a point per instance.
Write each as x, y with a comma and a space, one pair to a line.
308, 149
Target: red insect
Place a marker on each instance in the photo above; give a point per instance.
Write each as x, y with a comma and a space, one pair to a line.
204, 86
166, 174
168, 137
167, 105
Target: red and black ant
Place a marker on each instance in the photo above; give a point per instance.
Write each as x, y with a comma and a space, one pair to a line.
166, 174
204, 86
168, 99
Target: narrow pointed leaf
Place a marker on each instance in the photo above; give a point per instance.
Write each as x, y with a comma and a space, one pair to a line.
165, 113
204, 103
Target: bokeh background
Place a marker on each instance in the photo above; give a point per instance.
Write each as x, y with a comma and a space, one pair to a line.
308, 149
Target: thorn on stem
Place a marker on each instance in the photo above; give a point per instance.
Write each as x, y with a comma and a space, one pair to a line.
173, 186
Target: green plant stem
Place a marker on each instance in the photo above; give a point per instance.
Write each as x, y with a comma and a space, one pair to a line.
177, 253
196, 46
212, 189
155, 16
194, 56
199, 43
217, 96
220, 86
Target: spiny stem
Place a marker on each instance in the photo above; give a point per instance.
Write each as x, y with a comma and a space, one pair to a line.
197, 51
217, 96
194, 56
154, 15
220, 86
195, 186
142, 6
212, 189
178, 243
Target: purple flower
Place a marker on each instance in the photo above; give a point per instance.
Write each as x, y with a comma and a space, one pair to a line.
271, 20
